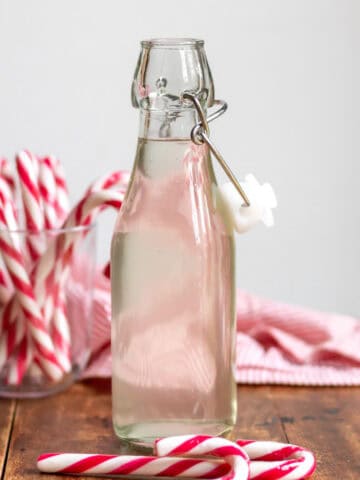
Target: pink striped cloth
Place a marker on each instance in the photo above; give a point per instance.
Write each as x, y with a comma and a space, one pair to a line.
285, 344
276, 343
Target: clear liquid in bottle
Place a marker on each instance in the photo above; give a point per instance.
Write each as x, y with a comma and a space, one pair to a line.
172, 273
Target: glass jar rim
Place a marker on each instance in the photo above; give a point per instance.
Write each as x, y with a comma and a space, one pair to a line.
51, 231
172, 43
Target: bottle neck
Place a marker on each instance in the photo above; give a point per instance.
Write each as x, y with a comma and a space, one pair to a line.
173, 157
161, 124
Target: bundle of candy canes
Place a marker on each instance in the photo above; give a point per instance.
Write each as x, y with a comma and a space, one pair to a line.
191, 456
34, 328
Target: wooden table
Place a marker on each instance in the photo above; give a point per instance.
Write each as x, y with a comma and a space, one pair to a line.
326, 420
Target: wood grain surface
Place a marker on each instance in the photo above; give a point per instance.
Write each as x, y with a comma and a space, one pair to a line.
326, 420
7, 410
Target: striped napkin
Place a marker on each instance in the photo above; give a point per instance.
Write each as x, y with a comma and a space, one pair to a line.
276, 343
285, 344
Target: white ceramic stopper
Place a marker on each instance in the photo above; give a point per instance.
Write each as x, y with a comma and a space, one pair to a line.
262, 200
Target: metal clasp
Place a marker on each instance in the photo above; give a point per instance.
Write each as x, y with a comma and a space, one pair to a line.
201, 134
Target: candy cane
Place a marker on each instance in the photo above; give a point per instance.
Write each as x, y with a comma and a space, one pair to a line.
10, 312
30, 171
88, 464
118, 179
38, 181
61, 330
56, 258
25, 295
48, 192
53, 303
11, 337
6, 287
275, 460
27, 168
19, 364
62, 204
59, 251
268, 460
7, 175
52, 190
55, 262
201, 445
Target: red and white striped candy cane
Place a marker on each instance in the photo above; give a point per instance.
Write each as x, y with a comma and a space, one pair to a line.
6, 287
53, 302
61, 330
82, 214
48, 192
7, 198
274, 460
47, 189
24, 294
57, 256
29, 173
89, 464
7, 175
9, 313
202, 445
13, 330
268, 460
119, 179
62, 204
28, 168
44, 181
55, 260
19, 364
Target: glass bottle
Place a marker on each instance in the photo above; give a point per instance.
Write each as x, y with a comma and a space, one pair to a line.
172, 263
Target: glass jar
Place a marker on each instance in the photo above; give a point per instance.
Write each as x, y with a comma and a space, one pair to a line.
60, 296
172, 263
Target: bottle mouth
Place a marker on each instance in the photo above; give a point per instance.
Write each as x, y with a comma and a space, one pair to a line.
169, 43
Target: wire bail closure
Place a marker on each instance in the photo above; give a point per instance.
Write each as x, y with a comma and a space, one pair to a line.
200, 134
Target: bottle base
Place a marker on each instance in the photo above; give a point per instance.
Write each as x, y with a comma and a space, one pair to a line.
143, 435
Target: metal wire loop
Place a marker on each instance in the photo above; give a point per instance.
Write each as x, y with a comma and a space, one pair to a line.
197, 134
201, 114
220, 111
200, 134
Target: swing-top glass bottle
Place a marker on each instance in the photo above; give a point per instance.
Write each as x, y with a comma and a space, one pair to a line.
172, 263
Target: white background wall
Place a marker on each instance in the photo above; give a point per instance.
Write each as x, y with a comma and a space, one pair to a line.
290, 72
